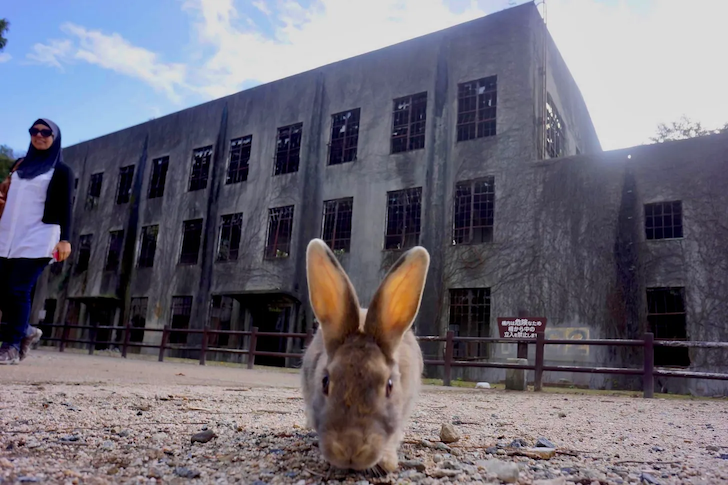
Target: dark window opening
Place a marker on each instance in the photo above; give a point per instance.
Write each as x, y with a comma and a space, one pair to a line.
280, 229
94, 190
404, 208
148, 246
666, 318
663, 220
200, 168
48, 317
191, 238
126, 178
181, 312
473, 213
221, 314
555, 138
159, 177
477, 102
470, 317
231, 230
336, 230
113, 255
75, 188
344, 137
239, 159
138, 319
84, 252
288, 149
408, 125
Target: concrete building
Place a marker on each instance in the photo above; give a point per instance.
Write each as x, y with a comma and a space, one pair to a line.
474, 142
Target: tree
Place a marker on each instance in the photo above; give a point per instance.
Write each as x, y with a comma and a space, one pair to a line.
6, 161
683, 129
4, 25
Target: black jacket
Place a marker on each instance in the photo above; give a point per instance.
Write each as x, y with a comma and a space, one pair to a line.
59, 199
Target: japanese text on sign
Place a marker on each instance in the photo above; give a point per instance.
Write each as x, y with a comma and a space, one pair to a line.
521, 327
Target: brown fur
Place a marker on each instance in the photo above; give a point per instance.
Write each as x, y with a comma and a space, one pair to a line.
358, 425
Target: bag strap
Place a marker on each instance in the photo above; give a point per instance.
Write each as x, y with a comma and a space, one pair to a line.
17, 164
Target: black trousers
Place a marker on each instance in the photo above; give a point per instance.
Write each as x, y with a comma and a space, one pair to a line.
17, 278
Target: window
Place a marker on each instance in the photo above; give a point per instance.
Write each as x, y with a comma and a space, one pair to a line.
408, 126
473, 213
191, 236
231, 230
477, 108
181, 312
84, 252
403, 218
336, 231
148, 246
138, 319
123, 191
116, 245
288, 149
75, 188
239, 158
344, 137
663, 220
221, 314
159, 177
470, 317
280, 228
555, 138
666, 318
94, 190
200, 168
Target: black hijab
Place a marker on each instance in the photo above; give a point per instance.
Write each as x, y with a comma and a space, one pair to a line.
37, 162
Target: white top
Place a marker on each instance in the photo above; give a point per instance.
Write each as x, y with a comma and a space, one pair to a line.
23, 234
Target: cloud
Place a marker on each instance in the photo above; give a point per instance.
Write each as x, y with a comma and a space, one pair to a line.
5, 57
51, 54
260, 5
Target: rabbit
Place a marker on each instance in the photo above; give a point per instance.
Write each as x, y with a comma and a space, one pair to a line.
362, 372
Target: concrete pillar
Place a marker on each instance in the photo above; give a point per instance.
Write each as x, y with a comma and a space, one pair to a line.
516, 378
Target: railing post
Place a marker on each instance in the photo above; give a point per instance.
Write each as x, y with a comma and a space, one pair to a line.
648, 383
127, 336
251, 347
163, 344
64, 336
538, 371
203, 350
92, 340
448, 358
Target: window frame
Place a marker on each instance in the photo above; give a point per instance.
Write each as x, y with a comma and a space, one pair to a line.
481, 121
292, 161
334, 238
349, 141
239, 173
416, 107
405, 234
673, 204
123, 192
158, 179
272, 249
200, 169
231, 225
489, 202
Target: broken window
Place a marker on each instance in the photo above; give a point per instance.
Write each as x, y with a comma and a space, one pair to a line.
555, 137
113, 255
239, 158
344, 137
663, 220
470, 317
280, 229
477, 102
84, 252
201, 158
473, 212
336, 230
126, 178
159, 177
221, 314
191, 238
75, 188
231, 230
181, 313
666, 318
148, 246
288, 149
94, 190
138, 319
408, 125
404, 208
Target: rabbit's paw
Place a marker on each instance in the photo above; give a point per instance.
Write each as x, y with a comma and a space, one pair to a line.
390, 461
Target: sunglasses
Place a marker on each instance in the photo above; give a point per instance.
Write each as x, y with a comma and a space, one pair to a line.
45, 132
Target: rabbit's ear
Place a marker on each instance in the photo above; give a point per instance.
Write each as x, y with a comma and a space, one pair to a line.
397, 301
332, 296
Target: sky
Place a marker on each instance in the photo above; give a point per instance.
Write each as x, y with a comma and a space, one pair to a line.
97, 67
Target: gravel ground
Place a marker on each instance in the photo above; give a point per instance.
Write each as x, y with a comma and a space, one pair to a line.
95, 432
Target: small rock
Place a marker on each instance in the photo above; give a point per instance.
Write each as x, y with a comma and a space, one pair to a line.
541, 453
555, 481
203, 436
724, 456
482, 385
544, 443
124, 433
28, 479
562, 415
415, 464
518, 443
426, 444
107, 445
501, 452
492, 450
362, 482
139, 413
451, 465
448, 433
440, 473
647, 478
443, 447
712, 448
69, 438
657, 448
184, 472
261, 482
112, 471
154, 473
506, 471
437, 458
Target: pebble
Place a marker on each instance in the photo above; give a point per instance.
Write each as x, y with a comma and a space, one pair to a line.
154, 472
505, 471
185, 472
442, 473
28, 479
203, 436
448, 433
712, 448
518, 443
544, 443
107, 445
416, 464
648, 478
554, 481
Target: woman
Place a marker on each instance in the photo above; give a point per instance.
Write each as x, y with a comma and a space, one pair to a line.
34, 227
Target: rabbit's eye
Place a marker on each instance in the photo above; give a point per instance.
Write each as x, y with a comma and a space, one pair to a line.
325, 385
389, 387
